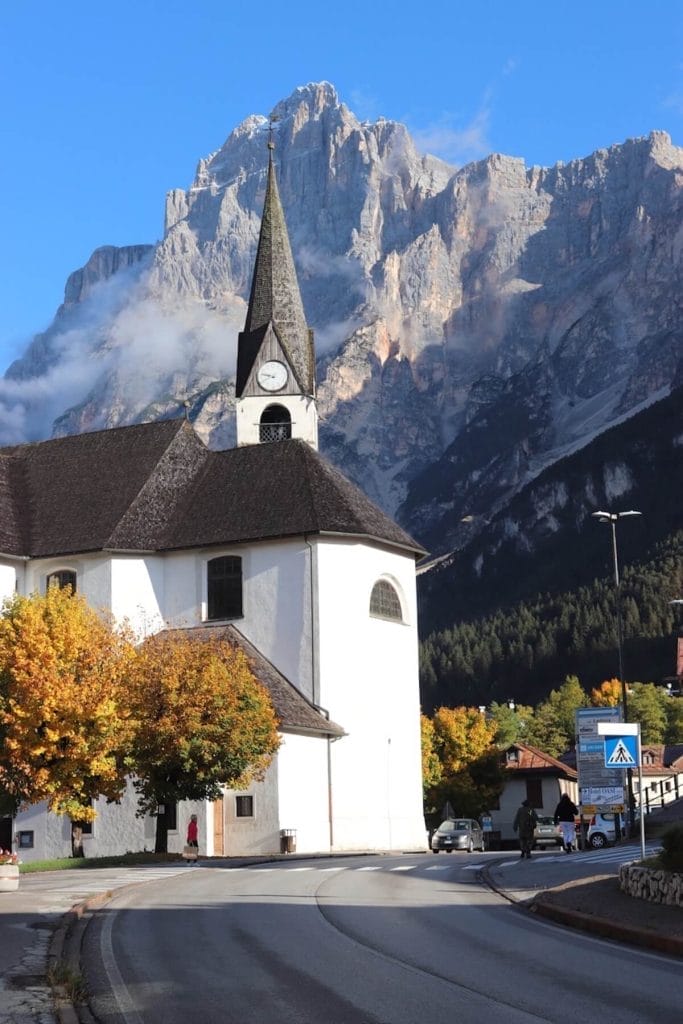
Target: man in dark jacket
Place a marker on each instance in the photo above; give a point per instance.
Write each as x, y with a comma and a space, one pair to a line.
524, 824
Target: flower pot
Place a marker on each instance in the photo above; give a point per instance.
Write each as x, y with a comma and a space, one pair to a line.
9, 877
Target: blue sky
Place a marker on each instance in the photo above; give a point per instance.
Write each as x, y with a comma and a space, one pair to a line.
107, 106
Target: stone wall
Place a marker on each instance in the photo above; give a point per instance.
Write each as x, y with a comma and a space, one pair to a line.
651, 884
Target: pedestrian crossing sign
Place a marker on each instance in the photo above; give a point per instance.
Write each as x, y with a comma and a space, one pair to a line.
621, 751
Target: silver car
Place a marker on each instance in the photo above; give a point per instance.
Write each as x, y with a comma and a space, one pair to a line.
458, 834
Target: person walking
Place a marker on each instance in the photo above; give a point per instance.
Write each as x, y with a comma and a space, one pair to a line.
524, 824
192, 841
565, 812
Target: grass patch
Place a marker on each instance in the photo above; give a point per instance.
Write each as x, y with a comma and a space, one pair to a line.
71, 981
125, 859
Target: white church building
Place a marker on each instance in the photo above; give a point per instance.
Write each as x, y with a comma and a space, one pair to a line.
268, 546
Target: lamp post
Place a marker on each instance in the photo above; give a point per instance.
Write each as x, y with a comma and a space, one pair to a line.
612, 518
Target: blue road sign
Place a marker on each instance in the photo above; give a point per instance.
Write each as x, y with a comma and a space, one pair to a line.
621, 751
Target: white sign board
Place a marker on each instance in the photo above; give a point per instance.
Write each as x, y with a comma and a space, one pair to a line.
599, 785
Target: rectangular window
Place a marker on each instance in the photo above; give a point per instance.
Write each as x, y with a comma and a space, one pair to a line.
224, 588
25, 840
534, 792
244, 807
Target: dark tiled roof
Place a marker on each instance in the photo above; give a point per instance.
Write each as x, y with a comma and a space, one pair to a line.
294, 712
157, 487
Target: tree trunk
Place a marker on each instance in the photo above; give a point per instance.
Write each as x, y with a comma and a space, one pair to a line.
161, 842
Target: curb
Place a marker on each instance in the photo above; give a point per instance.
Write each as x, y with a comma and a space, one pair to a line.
585, 922
607, 929
64, 956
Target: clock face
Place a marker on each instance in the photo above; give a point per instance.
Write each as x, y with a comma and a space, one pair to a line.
272, 376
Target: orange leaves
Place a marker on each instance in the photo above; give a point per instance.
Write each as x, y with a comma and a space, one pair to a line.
607, 695
201, 719
80, 707
461, 735
62, 718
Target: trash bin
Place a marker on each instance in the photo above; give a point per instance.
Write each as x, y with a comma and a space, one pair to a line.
288, 840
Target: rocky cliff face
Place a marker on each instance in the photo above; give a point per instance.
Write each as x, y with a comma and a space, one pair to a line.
473, 325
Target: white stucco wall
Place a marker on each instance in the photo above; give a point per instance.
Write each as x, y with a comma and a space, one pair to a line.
276, 600
302, 410
304, 792
368, 679
137, 592
9, 573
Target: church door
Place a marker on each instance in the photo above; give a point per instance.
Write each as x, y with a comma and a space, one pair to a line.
218, 828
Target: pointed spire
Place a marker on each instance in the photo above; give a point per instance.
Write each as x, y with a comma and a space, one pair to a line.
275, 297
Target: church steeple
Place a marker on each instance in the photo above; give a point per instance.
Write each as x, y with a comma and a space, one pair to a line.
275, 354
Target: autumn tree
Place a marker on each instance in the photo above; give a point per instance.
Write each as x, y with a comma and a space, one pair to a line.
432, 771
461, 735
607, 695
460, 761
63, 724
201, 721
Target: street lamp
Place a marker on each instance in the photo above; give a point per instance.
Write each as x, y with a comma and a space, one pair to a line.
612, 518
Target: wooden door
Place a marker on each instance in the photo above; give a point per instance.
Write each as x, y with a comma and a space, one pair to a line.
218, 828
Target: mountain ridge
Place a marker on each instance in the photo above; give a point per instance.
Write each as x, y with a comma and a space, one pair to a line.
474, 325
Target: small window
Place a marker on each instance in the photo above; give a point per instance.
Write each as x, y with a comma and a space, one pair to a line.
224, 588
275, 424
244, 807
85, 827
25, 840
385, 602
62, 578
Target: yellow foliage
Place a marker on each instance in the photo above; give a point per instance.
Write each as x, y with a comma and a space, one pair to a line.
201, 719
461, 735
62, 719
607, 695
432, 772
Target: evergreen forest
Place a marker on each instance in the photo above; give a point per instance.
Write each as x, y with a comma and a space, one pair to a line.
523, 652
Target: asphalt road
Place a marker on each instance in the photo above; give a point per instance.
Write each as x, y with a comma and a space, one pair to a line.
368, 940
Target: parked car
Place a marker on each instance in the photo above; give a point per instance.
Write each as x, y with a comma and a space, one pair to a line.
547, 833
602, 832
458, 834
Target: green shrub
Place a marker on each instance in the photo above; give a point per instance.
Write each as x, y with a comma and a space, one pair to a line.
672, 847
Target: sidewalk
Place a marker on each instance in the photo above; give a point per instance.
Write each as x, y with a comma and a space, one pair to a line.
592, 903
28, 919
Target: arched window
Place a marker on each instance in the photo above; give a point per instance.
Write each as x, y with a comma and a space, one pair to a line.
62, 578
385, 602
224, 588
275, 424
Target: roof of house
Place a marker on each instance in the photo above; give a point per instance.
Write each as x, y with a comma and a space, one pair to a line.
531, 759
157, 487
294, 712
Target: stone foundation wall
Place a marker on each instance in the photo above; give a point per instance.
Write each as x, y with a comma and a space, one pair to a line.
651, 884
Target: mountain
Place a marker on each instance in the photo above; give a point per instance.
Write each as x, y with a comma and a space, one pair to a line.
474, 326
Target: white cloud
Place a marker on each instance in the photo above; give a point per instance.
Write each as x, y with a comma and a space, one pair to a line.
457, 144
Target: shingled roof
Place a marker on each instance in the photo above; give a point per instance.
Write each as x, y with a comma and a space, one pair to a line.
294, 712
156, 487
275, 298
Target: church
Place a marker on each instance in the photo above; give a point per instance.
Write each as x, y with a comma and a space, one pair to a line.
272, 548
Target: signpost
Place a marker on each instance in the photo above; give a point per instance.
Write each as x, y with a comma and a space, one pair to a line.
621, 751
601, 786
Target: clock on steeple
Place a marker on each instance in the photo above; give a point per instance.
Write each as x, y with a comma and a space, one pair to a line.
275, 386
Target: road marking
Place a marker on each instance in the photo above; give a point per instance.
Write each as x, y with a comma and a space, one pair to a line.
404, 867
370, 867
116, 982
